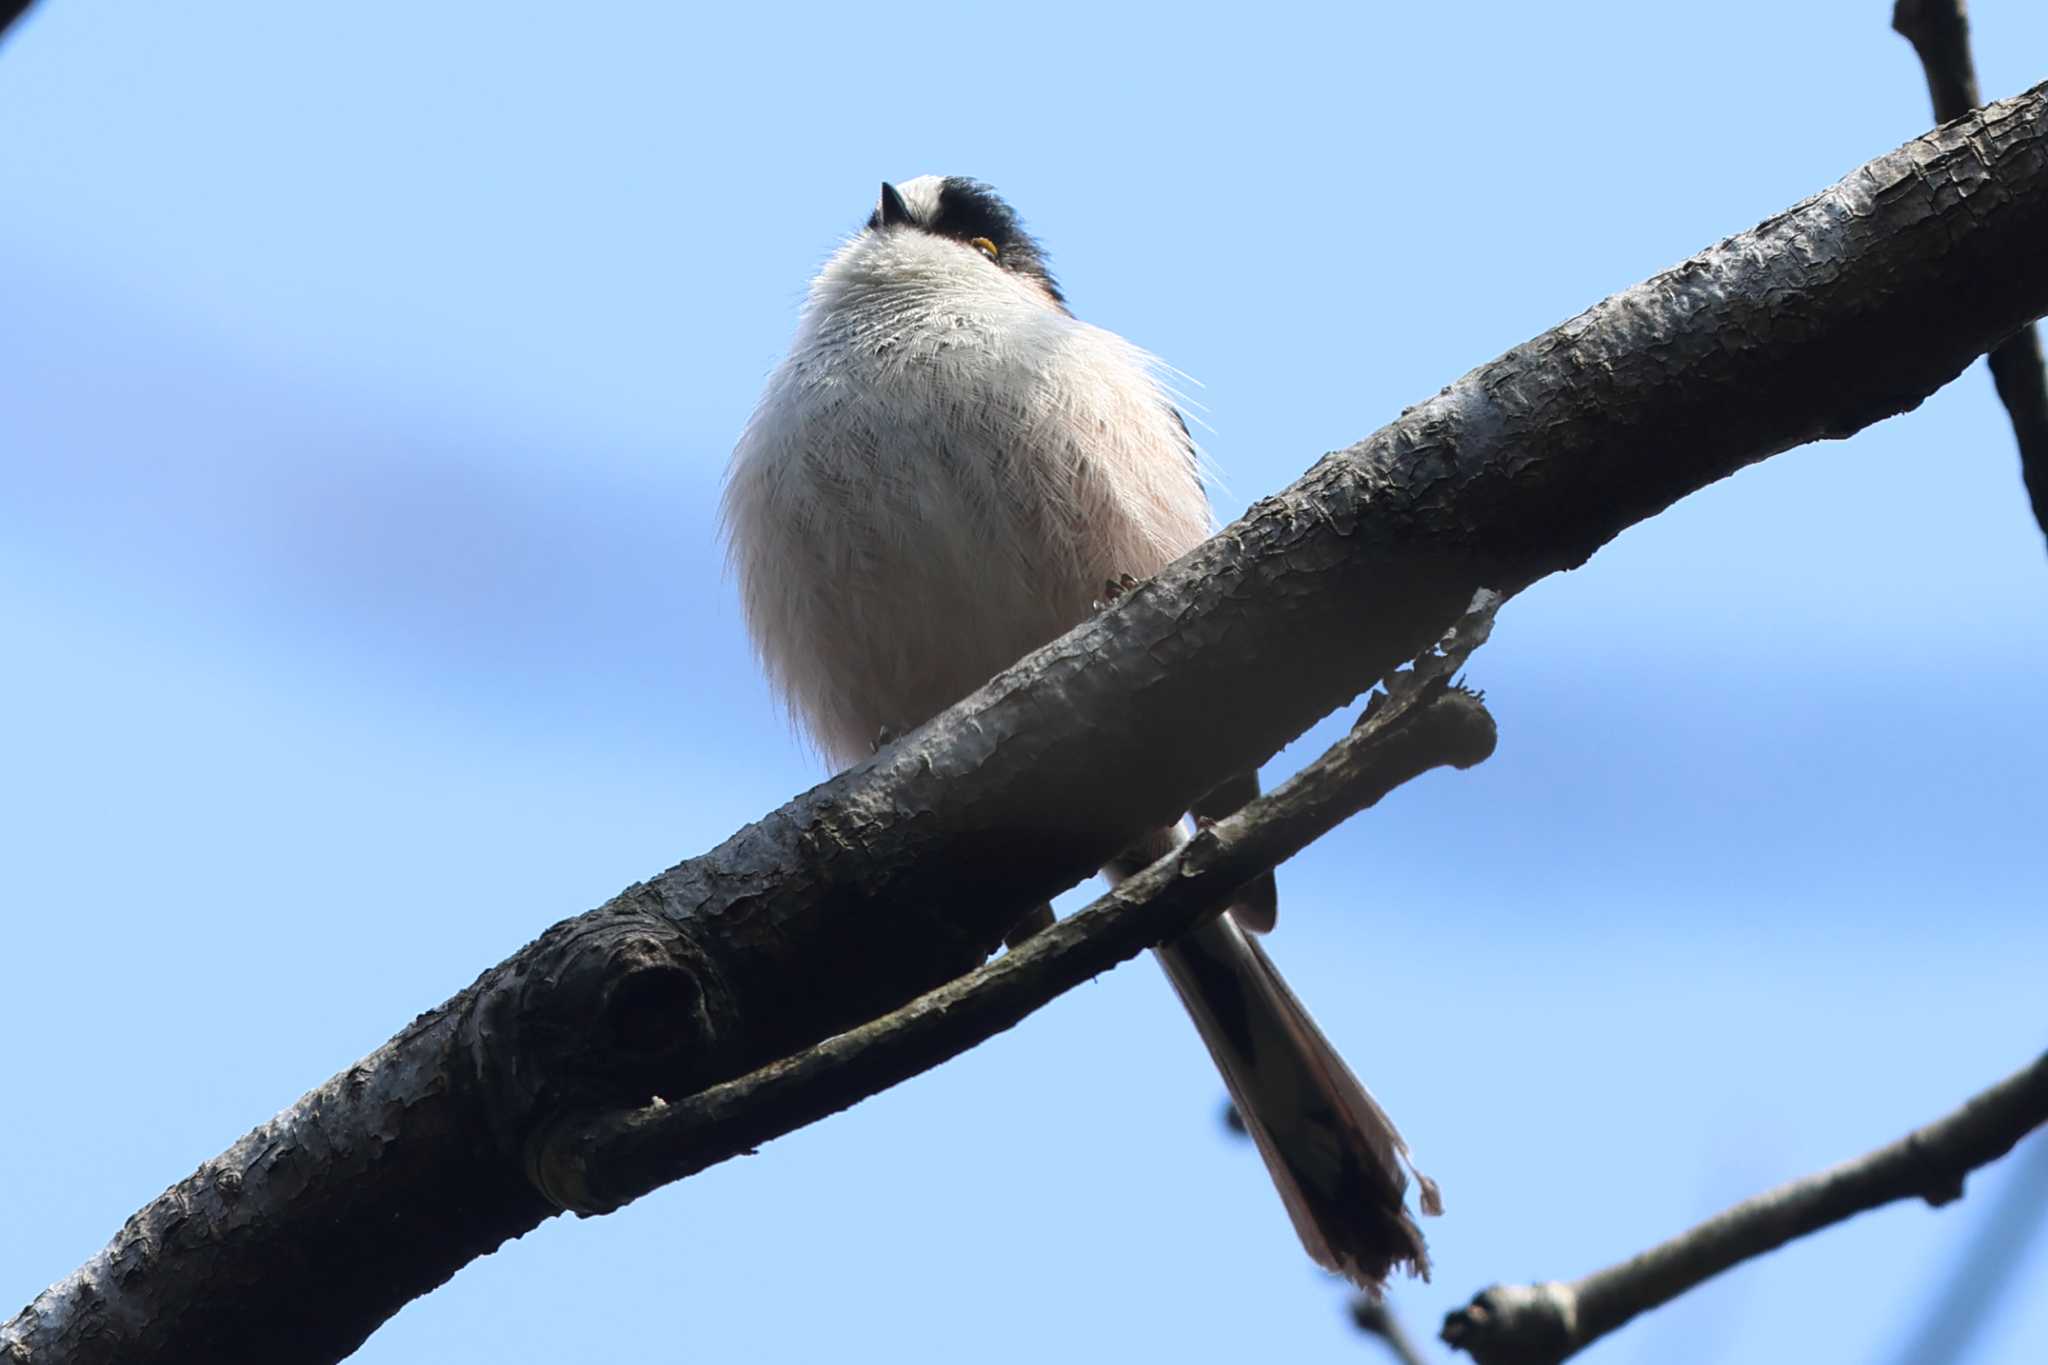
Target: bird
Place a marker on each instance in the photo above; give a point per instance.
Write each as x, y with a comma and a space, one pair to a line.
949, 469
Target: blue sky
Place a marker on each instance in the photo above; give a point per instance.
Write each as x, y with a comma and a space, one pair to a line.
366, 374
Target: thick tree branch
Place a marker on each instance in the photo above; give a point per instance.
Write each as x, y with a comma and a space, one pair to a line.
1939, 31
904, 872
1542, 1324
596, 1163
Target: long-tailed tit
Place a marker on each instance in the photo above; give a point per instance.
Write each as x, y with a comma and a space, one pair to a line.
942, 475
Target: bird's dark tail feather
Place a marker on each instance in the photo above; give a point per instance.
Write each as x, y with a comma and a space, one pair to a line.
1340, 1164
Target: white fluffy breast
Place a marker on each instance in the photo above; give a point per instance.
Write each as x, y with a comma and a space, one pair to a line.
939, 478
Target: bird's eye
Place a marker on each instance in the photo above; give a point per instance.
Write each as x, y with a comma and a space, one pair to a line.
984, 246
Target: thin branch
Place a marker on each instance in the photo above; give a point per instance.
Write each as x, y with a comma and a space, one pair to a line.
904, 872
1939, 31
2018, 373
11, 10
1541, 1324
596, 1163
1998, 1251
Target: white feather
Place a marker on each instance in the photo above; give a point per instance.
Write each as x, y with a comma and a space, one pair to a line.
940, 477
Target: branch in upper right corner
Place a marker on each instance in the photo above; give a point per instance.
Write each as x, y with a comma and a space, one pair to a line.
1939, 31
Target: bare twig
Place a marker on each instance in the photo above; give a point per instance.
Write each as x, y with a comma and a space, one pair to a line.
1939, 31
1541, 1324
906, 871
1376, 1318
1998, 1250
596, 1162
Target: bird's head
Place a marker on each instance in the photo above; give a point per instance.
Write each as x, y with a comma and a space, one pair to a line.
969, 215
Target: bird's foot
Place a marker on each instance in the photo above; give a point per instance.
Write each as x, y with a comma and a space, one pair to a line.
1113, 590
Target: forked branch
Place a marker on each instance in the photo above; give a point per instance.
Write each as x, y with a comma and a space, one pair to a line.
595, 1163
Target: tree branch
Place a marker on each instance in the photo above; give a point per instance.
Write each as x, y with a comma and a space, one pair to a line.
1542, 1324
11, 10
597, 1163
904, 872
1981, 1276
1939, 31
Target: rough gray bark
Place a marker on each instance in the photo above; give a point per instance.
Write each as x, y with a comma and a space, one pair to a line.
595, 1163
903, 872
1939, 31
1543, 1324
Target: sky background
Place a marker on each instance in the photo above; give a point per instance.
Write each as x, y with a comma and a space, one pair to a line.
366, 376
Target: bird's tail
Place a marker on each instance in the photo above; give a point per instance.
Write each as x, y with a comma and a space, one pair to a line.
1340, 1164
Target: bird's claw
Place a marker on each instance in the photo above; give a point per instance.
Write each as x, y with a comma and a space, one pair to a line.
1113, 589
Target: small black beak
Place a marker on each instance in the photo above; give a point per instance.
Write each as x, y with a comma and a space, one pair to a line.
892, 210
